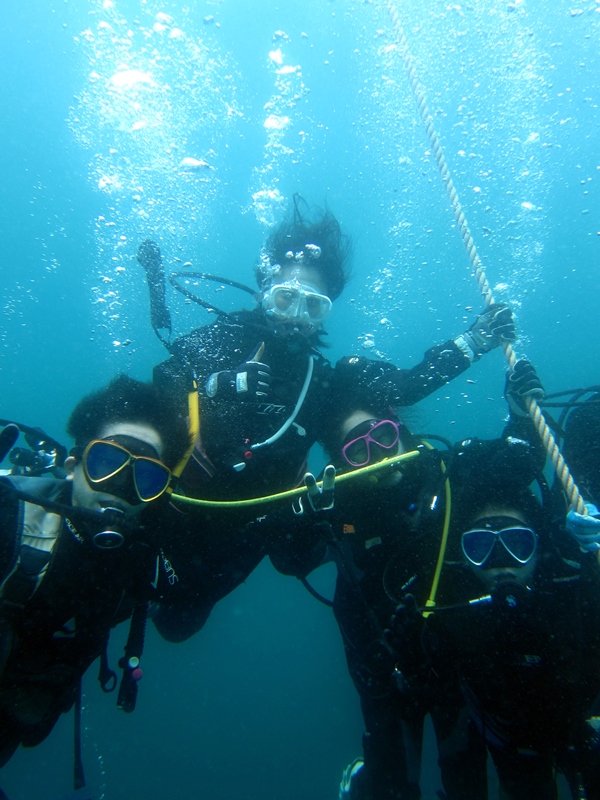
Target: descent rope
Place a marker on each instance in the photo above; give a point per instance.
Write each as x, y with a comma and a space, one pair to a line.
560, 466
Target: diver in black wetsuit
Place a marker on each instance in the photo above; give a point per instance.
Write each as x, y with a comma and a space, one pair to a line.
386, 537
517, 614
529, 657
267, 394
76, 558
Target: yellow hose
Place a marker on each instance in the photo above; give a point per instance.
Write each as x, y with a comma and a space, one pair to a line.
194, 430
443, 544
273, 498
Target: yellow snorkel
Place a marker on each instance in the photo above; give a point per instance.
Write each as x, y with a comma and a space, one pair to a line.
194, 431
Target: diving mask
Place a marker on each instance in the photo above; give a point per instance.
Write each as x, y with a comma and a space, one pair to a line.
518, 540
292, 301
106, 462
366, 442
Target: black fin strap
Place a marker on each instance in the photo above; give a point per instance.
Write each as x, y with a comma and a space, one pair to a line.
130, 663
78, 774
106, 676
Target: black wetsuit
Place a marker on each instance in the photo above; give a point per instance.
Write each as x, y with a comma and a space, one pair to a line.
385, 540
214, 551
381, 532
529, 664
56, 610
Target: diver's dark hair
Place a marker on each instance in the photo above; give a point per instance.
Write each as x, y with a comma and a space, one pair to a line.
506, 498
317, 227
128, 400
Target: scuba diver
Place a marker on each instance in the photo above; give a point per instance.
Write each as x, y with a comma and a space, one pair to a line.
267, 394
388, 535
525, 641
77, 557
516, 615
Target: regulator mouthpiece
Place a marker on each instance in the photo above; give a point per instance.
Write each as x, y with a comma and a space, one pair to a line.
110, 538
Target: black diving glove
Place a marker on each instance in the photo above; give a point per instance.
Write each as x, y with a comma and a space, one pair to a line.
494, 327
318, 498
249, 381
522, 384
148, 255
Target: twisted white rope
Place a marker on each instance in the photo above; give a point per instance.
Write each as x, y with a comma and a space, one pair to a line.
560, 467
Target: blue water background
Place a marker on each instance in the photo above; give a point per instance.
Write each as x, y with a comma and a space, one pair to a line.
259, 704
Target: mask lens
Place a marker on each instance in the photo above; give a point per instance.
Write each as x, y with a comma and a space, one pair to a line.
103, 459
318, 306
385, 433
477, 545
283, 298
356, 453
313, 306
520, 542
151, 478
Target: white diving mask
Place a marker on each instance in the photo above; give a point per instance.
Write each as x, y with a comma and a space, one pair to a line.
292, 301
